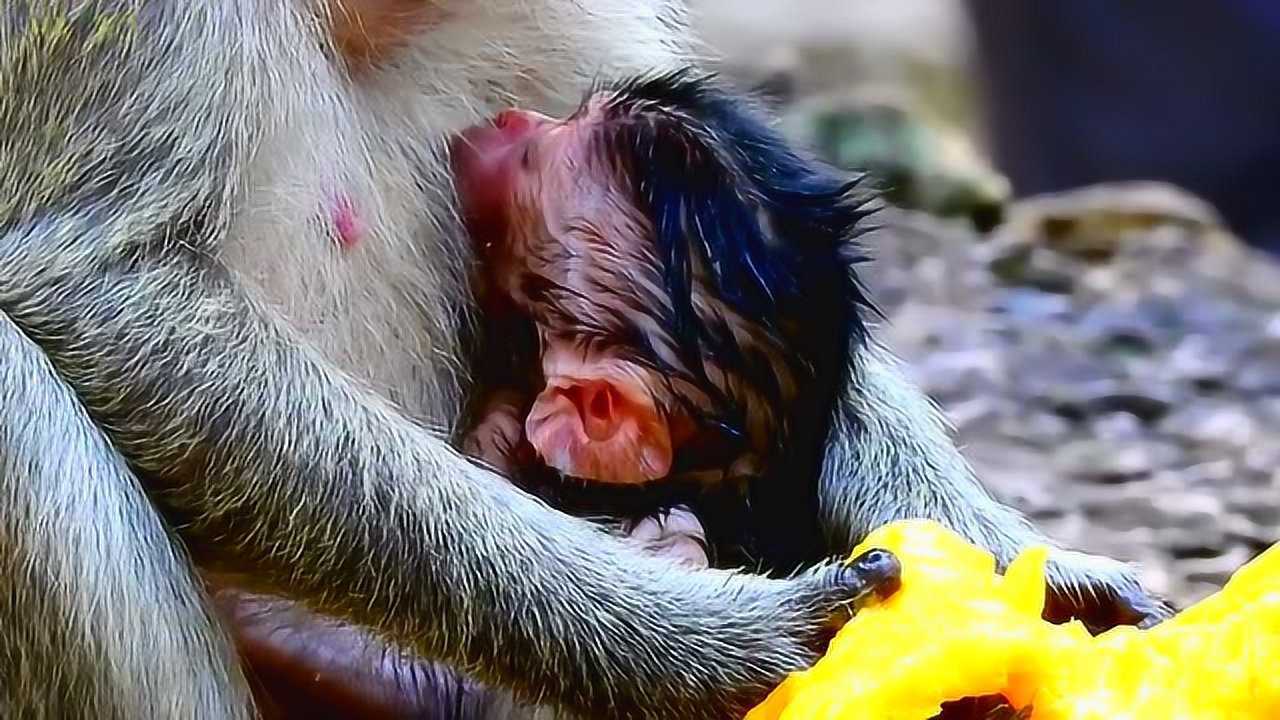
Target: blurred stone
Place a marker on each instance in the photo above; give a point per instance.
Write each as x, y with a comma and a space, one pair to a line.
1255, 504
1211, 476
1245, 530
979, 414
1037, 428
1117, 426
1100, 461
1023, 306
1086, 397
1263, 457
916, 163
1147, 403
1216, 314
1091, 223
1211, 423
1205, 360
1122, 328
1017, 263
1259, 371
1215, 571
1187, 510
1017, 475
1127, 506
962, 373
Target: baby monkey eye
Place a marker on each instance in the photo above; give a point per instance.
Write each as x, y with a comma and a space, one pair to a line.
526, 157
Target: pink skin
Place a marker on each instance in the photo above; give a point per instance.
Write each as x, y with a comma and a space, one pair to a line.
597, 420
346, 223
523, 181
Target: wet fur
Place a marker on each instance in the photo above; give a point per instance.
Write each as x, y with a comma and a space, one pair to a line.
741, 239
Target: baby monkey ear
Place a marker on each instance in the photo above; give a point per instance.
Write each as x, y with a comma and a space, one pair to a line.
368, 32
605, 429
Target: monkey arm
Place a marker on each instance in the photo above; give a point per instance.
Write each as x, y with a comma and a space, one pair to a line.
86, 563
891, 456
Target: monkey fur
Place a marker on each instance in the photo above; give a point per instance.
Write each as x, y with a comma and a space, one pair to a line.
232, 287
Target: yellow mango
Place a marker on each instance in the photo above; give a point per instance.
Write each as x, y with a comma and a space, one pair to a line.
958, 629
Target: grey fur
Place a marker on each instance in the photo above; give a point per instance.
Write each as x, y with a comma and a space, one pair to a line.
175, 317
101, 616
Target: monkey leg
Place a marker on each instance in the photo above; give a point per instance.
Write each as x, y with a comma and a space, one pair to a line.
100, 615
307, 667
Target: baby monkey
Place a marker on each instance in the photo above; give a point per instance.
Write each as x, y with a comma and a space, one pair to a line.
668, 299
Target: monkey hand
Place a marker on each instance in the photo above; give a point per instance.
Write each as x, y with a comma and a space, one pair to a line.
797, 619
729, 639
1100, 592
498, 436
675, 534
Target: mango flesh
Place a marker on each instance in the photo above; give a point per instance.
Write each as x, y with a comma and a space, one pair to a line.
957, 629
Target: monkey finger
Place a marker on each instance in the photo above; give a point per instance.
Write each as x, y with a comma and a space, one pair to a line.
1102, 608
1138, 607
678, 520
844, 587
1153, 611
874, 572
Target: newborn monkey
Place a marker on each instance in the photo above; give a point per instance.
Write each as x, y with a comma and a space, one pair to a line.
668, 294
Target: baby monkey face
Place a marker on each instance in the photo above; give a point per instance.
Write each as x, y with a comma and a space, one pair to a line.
561, 241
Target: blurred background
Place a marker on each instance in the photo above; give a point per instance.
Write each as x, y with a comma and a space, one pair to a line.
1080, 267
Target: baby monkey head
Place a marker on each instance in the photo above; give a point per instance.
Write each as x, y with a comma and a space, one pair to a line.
689, 276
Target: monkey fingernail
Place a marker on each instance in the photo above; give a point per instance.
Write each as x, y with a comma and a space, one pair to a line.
876, 571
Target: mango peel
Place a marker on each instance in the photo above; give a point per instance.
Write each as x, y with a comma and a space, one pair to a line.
958, 629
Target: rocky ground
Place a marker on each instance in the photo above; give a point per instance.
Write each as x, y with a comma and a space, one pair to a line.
1110, 357
1123, 388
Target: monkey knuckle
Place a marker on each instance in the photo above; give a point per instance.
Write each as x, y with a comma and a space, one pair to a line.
875, 571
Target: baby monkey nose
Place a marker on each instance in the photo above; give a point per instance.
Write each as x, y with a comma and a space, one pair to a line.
519, 121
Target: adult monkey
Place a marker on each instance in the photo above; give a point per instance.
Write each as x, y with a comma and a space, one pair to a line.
229, 274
